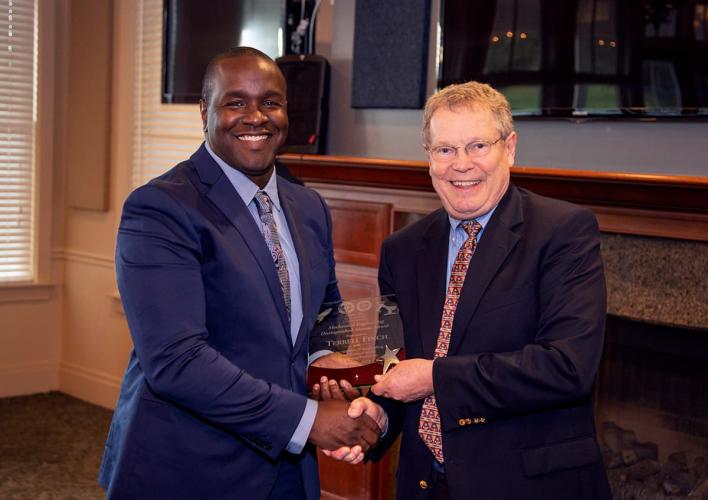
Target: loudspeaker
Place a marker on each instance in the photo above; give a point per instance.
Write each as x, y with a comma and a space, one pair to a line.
307, 77
390, 61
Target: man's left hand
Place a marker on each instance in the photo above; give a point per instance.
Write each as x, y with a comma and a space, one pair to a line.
329, 389
409, 380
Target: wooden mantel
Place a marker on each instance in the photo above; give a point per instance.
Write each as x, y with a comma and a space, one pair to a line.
641, 204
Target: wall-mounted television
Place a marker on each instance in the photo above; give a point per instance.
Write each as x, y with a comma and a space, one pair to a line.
196, 30
644, 59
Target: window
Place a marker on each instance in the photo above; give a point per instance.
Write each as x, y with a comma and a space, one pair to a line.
18, 119
165, 134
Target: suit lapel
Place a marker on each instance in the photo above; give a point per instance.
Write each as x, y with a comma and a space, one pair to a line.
495, 245
431, 267
303, 256
222, 193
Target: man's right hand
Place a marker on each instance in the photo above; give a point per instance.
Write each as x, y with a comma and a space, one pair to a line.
334, 428
354, 455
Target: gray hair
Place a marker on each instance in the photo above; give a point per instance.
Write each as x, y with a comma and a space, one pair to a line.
469, 95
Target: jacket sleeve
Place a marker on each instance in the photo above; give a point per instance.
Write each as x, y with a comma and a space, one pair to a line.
159, 270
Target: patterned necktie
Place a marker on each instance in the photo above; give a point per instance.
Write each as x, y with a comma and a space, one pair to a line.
429, 424
270, 232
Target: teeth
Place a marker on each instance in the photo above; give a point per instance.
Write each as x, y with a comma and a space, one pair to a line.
252, 137
464, 183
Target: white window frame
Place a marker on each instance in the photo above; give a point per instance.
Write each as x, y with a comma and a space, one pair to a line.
19, 54
39, 285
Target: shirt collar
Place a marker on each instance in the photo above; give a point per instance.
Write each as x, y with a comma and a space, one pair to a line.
483, 220
244, 186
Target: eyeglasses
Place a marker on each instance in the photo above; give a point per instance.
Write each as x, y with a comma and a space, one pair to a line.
476, 149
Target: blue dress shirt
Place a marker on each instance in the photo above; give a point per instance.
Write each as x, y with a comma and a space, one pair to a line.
458, 236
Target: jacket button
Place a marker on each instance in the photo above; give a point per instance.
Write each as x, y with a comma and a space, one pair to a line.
423, 484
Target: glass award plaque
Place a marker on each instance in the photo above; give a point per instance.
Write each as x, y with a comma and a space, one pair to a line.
368, 330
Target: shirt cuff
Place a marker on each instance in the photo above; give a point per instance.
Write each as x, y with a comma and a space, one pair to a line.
302, 431
385, 429
317, 355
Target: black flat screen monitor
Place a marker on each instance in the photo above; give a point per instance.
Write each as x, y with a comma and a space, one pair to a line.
642, 59
196, 30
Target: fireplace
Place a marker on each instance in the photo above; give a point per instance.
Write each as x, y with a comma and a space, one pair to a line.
651, 393
652, 409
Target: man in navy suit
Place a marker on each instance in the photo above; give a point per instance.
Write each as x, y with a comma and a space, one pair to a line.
222, 267
502, 297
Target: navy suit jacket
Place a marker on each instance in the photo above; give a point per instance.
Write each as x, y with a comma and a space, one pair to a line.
214, 388
514, 391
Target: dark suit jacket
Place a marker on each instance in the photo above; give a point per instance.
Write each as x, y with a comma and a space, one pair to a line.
214, 388
514, 390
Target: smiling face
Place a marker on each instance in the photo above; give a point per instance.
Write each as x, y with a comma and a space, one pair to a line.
246, 119
469, 187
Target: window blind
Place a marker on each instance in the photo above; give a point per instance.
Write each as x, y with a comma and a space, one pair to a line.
18, 117
165, 134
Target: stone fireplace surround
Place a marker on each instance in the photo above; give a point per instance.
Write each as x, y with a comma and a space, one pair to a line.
651, 388
657, 280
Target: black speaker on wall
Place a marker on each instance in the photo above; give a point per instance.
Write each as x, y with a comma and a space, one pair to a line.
307, 77
390, 60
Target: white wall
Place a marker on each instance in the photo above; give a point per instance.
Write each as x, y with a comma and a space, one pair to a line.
95, 338
30, 340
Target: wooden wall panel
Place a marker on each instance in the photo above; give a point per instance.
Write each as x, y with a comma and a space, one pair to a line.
356, 282
370, 481
339, 481
358, 229
676, 225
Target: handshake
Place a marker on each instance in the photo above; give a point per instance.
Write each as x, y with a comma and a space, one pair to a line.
346, 425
